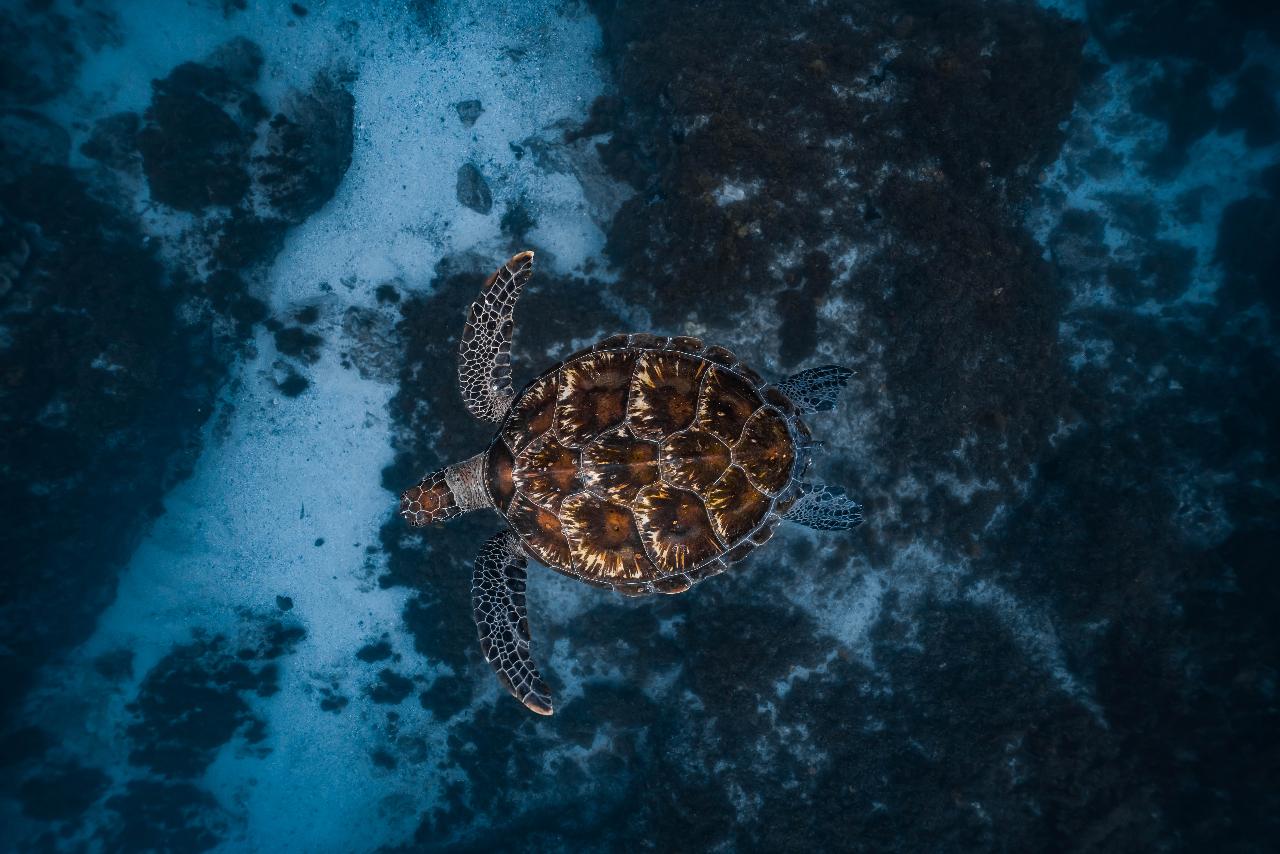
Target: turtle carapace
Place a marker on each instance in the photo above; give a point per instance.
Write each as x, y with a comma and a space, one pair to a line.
643, 464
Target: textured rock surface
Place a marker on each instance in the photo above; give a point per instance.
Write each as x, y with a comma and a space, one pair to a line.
473, 190
469, 111
116, 344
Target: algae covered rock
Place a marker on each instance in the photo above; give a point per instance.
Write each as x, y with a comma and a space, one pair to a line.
473, 190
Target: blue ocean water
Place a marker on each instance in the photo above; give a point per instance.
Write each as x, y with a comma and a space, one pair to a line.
237, 244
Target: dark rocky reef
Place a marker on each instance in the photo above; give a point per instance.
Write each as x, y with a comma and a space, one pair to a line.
1212, 34
1197, 48
113, 142
197, 140
154, 815
62, 792
308, 149
473, 190
1251, 266
195, 699
114, 351
197, 133
103, 390
766, 144
28, 140
39, 52
913, 140
200, 696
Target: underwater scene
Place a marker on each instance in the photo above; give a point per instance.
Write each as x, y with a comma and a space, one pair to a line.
248, 301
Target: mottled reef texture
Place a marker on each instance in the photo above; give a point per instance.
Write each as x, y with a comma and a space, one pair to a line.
770, 144
906, 136
1068, 563
115, 346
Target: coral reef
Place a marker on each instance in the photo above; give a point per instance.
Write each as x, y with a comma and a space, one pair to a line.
1040, 242
116, 346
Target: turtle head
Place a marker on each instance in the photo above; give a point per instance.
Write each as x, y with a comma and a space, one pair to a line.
446, 493
429, 502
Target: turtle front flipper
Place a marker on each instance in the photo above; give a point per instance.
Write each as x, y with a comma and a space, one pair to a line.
497, 595
484, 356
825, 508
817, 389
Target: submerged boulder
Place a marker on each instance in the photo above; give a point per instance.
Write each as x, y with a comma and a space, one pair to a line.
473, 190
309, 149
469, 111
114, 142
27, 140
199, 129
39, 57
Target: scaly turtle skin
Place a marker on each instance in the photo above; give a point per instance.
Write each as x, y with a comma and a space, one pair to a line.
643, 464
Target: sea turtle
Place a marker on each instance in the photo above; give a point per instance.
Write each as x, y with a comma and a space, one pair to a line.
642, 464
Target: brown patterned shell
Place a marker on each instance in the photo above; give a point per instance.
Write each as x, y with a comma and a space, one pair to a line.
644, 463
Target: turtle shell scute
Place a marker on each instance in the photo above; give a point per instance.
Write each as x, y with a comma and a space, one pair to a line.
634, 589
618, 465
720, 356
533, 413
774, 397
724, 406
603, 540
675, 528
765, 451
786, 501
763, 534
500, 474
547, 472
648, 341
593, 395
541, 531
694, 459
749, 375
735, 506
664, 393
673, 584
686, 344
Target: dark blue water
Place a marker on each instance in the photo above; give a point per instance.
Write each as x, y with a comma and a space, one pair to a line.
237, 243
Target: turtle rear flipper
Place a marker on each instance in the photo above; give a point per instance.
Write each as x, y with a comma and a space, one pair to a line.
484, 356
825, 508
817, 389
497, 595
